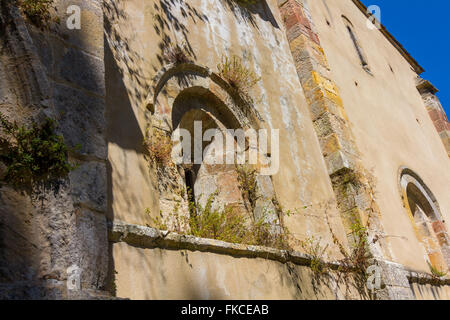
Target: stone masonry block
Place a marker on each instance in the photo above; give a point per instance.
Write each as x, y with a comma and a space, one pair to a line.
88, 185
338, 161
91, 248
265, 187
324, 83
328, 124
443, 238
350, 196
437, 114
320, 106
83, 70
442, 125
393, 274
330, 144
81, 120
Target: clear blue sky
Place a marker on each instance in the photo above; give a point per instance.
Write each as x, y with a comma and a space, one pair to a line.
422, 27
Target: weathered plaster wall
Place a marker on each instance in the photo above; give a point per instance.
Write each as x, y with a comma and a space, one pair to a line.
200, 275
389, 121
213, 28
211, 269
137, 32
96, 82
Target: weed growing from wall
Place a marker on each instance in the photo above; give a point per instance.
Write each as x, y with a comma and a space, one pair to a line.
358, 258
33, 154
239, 77
159, 147
37, 11
264, 235
222, 224
313, 247
176, 54
156, 222
247, 184
435, 272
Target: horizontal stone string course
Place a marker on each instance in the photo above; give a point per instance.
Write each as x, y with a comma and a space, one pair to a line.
147, 237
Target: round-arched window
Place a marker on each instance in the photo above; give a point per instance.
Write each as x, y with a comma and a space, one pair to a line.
424, 211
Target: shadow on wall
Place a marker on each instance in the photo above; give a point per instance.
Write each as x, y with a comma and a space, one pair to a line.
166, 21
123, 62
260, 8
123, 127
123, 130
131, 61
19, 257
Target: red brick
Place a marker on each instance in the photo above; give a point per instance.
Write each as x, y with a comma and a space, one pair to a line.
439, 226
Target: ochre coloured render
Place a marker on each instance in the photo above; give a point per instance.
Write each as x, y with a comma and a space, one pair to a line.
331, 132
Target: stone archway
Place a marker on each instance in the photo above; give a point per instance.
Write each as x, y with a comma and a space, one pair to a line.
174, 78
193, 93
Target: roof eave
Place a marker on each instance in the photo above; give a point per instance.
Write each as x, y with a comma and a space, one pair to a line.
415, 65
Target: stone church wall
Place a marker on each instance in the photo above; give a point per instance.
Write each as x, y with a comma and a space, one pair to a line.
349, 133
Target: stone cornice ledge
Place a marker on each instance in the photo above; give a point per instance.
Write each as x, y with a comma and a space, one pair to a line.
146, 237
425, 278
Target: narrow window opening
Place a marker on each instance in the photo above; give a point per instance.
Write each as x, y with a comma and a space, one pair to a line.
190, 182
358, 48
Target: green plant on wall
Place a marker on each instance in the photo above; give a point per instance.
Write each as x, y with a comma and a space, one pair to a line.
263, 233
32, 154
220, 224
247, 184
38, 11
231, 226
435, 272
223, 224
356, 260
360, 254
159, 146
313, 247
